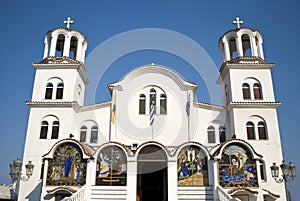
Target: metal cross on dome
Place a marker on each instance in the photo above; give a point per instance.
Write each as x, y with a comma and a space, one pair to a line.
68, 22
237, 21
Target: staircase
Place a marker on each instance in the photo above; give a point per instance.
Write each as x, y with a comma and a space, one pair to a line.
195, 193
108, 193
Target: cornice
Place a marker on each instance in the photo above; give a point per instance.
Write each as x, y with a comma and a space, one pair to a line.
253, 104
208, 106
53, 103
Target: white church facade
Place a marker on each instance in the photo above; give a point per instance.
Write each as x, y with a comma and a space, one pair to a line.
152, 141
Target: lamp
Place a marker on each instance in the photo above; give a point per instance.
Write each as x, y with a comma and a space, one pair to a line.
15, 170
288, 173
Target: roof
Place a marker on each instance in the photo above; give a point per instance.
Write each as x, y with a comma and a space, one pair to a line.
237, 30
67, 29
6, 193
60, 60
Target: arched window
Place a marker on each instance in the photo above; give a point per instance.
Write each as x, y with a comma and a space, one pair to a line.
49, 91
152, 98
60, 45
142, 104
246, 45
263, 175
163, 104
232, 48
94, 134
257, 91
211, 134
60, 91
44, 130
246, 91
111, 169
222, 134
250, 130
83, 130
73, 47
262, 130
55, 130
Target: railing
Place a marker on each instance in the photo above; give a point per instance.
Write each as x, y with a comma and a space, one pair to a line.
80, 195
224, 196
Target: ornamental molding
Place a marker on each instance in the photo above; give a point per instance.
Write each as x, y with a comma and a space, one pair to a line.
253, 104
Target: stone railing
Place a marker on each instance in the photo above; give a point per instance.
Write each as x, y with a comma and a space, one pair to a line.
80, 195
224, 196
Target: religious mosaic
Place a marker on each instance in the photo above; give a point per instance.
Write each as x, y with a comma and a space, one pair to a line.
111, 167
192, 167
237, 168
67, 167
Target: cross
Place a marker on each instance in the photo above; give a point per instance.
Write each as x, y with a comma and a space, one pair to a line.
237, 21
68, 22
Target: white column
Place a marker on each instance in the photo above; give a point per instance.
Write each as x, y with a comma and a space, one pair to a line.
215, 178
239, 46
226, 50
79, 50
83, 52
253, 46
53, 45
67, 43
46, 48
260, 50
131, 179
172, 179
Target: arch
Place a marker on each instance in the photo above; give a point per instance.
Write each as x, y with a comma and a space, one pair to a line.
211, 134
222, 134
60, 90
44, 130
237, 166
67, 166
73, 47
246, 91
257, 91
142, 104
250, 130
232, 47
192, 166
152, 169
262, 130
83, 130
49, 91
55, 130
246, 45
111, 168
94, 134
60, 43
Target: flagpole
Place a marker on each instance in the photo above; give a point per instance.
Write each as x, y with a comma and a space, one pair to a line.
152, 108
188, 108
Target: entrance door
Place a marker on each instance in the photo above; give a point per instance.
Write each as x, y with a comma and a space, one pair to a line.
152, 178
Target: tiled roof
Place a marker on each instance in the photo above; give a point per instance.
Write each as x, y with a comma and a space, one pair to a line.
271, 194
233, 140
60, 60
62, 188
232, 191
84, 148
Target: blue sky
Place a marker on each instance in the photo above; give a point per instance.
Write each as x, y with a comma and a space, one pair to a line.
24, 24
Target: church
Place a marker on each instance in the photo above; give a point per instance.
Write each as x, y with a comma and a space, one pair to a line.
152, 140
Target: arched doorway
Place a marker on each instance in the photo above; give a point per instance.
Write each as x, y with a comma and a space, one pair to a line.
152, 178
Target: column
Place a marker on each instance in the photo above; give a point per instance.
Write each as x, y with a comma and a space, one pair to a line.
79, 50
131, 179
46, 48
172, 179
226, 50
253, 46
53, 42
67, 43
239, 46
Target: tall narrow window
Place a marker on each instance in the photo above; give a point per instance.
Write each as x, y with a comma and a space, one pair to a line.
55, 130
94, 134
257, 91
60, 91
83, 130
44, 130
262, 130
222, 134
152, 98
73, 47
211, 134
250, 130
163, 104
49, 91
60, 45
262, 171
246, 91
142, 104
